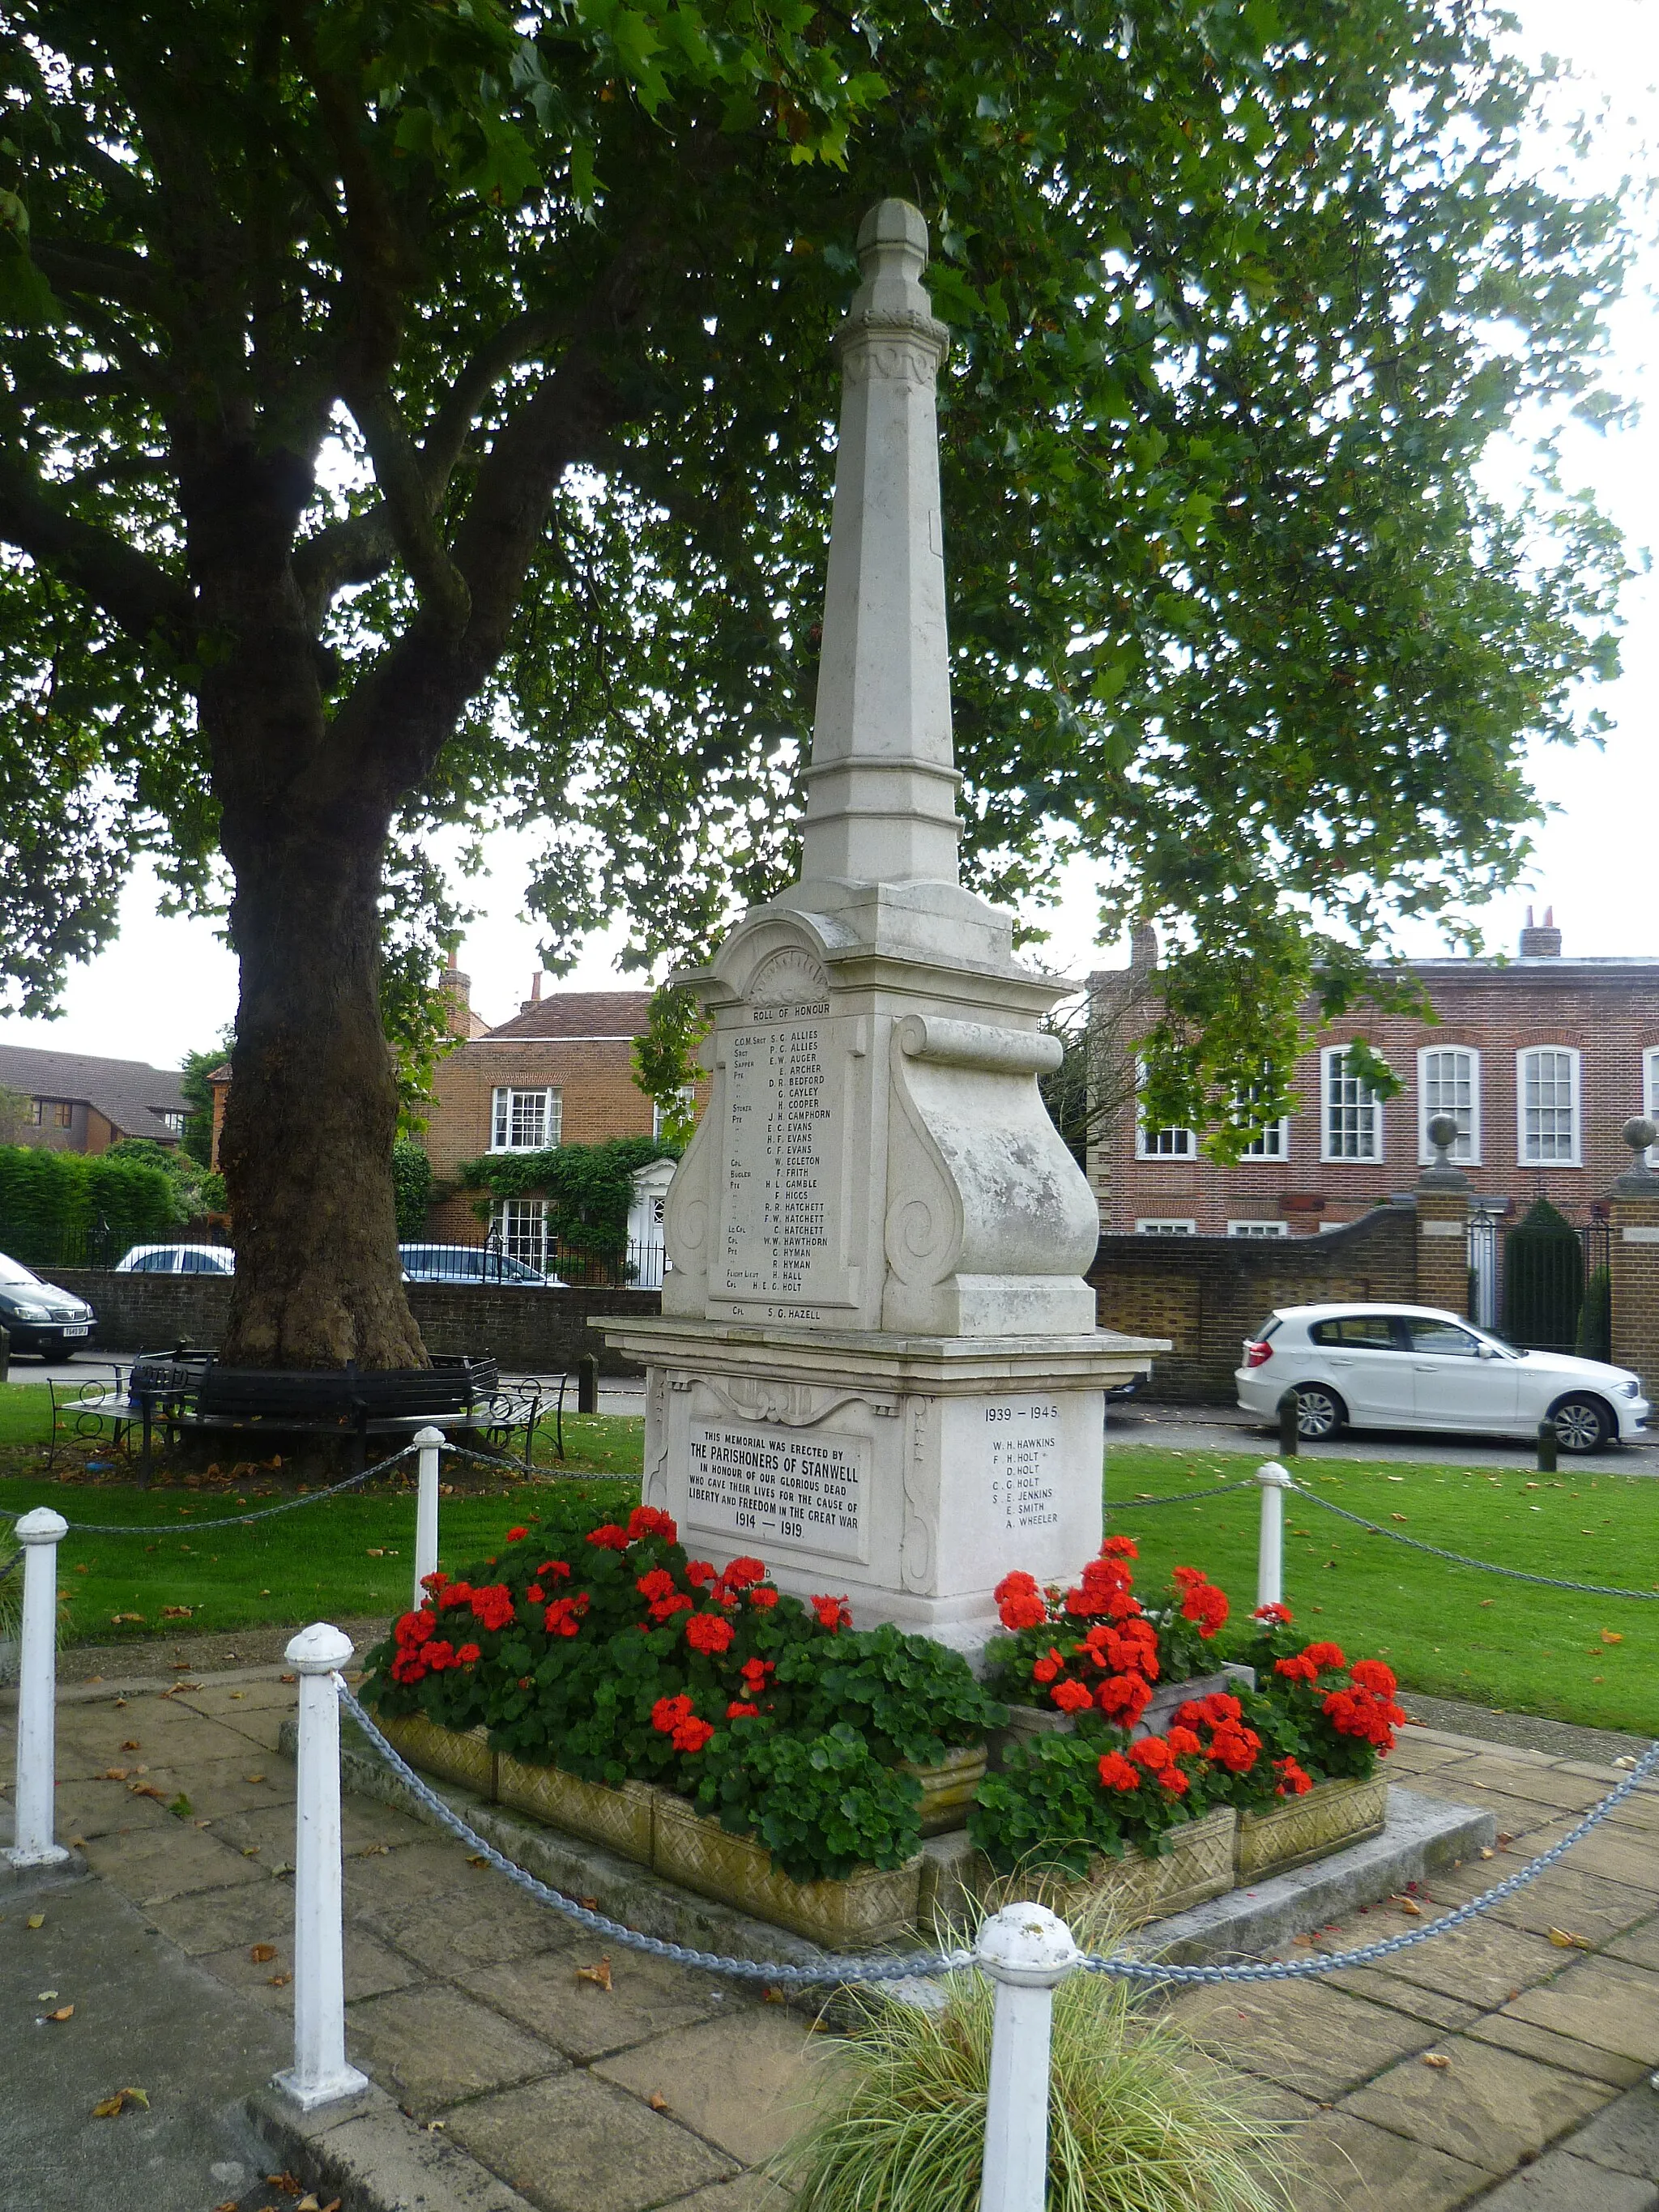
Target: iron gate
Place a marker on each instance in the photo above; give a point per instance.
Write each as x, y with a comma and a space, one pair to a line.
1554, 1286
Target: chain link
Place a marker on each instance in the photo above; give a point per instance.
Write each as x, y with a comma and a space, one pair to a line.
232, 1520
1458, 1559
1182, 1497
929, 1963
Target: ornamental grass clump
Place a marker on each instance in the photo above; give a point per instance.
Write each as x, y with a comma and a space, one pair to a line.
1139, 2119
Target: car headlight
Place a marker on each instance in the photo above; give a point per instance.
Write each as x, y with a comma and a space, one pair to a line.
1631, 1390
32, 1313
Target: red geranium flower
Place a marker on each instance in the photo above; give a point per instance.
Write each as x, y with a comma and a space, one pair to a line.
1300, 1669
668, 1712
737, 1711
1071, 1697
1125, 1697
755, 1672
434, 1581
1272, 1614
610, 1538
708, 1631
741, 1573
833, 1613
1116, 1773
468, 1656
454, 1594
1293, 1782
647, 1520
1182, 1742
1325, 1655
517, 1535
1372, 1674
692, 1735
564, 1616
494, 1606
700, 1573
657, 1585
1172, 1779
1119, 1547
764, 1598
440, 1655
1152, 1753
1046, 1669
554, 1567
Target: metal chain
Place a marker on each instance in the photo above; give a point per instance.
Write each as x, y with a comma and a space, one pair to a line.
232, 1520
657, 1947
1457, 1558
928, 1963
1182, 1497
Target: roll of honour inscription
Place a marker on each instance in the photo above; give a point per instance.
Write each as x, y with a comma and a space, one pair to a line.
1021, 1436
765, 1486
781, 1200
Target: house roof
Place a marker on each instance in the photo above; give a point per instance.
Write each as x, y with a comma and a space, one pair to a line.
590, 1017
130, 1094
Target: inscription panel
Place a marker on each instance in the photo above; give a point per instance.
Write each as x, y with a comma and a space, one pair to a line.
1023, 1463
782, 1160
763, 1485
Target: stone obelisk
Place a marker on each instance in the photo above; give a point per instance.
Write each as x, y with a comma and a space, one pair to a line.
877, 1365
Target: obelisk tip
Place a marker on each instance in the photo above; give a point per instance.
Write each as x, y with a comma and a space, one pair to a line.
894, 222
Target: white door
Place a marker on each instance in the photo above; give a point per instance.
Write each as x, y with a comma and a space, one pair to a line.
1454, 1387
1364, 1358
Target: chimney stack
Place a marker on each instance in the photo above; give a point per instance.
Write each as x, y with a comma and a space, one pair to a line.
535, 998
1543, 944
457, 989
1143, 949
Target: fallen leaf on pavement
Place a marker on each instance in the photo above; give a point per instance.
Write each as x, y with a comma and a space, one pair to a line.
599, 1975
374, 1852
261, 1952
281, 1677
117, 1773
279, 1981
35, 1920
1435, 2058
1564, 1942
591, 1903
1487, 1852
46, 1997
108, 2110
478, 1859
230, 2205
252, 1850
119, 2103
253, 1777
64, 2012
658, 2103
289, 2184
131, 1744
146, 1790
1410, 1905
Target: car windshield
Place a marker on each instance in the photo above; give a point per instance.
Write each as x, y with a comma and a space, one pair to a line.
11, 1272
1502, 1343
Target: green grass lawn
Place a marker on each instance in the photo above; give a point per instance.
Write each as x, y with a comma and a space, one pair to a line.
1447, 1631
351, 1555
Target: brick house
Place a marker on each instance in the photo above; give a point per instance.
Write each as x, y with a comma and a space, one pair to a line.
75, 1103
1541, 1060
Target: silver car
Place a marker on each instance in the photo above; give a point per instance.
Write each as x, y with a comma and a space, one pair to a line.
1417, 1367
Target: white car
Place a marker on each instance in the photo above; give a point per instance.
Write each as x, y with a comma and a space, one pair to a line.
1415, 1367
178, 1260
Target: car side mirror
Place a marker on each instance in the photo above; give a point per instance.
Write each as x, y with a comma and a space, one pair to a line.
1488, 1352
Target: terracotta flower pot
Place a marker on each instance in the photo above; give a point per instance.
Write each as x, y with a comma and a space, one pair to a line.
1298, 1830
872, 1906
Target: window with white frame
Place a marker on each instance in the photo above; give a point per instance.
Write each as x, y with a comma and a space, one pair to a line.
1650, 1095
684, 1099
1351, 1113
1546, 1106
1164, 1226
1271, 1139
519, 1227
525, 1121
1258, 1229
1449, 1082
1164, 1144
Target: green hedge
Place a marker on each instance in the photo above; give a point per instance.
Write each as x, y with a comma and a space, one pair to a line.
61, 1209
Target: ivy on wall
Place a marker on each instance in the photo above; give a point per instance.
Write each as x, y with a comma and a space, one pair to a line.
588, 1188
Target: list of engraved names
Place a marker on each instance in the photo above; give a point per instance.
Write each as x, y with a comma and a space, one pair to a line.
782, 1158
1024, 1439
766, 1486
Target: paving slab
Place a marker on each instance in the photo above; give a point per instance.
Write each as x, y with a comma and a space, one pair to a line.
434, 2046
1602, 2001
1482, 1963
1562, 2183
571, 2143
1313, 2039
546, 1994
1563, 2050
1348, 2166
158, 1864
1565, 1897
1626, 2135
1489, 2107
746, 2084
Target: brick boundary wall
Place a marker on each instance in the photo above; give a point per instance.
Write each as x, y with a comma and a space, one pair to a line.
525, 1331
1209, 1293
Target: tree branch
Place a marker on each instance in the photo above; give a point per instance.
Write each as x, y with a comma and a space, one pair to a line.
409, 507
74, 265
128, 586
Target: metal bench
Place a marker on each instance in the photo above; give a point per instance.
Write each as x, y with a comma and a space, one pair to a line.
85, 1411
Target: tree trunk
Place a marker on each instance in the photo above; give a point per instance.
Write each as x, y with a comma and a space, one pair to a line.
312, 1108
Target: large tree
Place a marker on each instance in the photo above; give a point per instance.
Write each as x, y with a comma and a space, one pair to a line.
417, 411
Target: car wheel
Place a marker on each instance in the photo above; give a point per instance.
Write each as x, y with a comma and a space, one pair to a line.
1581, 1424
1319, 1412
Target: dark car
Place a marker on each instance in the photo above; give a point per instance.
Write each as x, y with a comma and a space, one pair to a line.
39, 1317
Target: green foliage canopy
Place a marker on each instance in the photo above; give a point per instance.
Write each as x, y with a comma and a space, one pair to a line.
520, 322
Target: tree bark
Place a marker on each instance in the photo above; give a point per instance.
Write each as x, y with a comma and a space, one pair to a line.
312, 1108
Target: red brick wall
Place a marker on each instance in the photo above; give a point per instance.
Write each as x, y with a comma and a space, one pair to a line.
1610, 1013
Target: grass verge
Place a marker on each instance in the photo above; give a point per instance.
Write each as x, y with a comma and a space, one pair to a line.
1447, 1631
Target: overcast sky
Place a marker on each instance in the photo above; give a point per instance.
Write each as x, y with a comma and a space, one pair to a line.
167, 985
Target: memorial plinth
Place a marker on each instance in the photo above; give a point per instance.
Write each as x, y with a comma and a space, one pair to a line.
876, 1364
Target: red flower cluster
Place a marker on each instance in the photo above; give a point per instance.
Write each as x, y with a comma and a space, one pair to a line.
1020, 1603
674, 1718
493, 1605
564, 1616
833, 1613
517, 1535
646, 1520
1116, 1773
1293, 1781
661, 1596
1106, 1590
610, 1538
755, 1672
1273, 1614
559, 1569
708, 1632
1157, 1755
1231, 1744
1359, 1712
1201, 1602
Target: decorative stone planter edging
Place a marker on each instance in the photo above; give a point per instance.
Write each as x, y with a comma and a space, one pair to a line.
1331, 1816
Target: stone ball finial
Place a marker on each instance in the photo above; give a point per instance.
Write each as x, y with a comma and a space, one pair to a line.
894, 223
1639, 1133
1443, 1135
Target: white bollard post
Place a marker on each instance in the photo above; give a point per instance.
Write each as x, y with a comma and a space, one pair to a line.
1026, 1951
319, 2074
40, 1533
1270, 1545
426, 1511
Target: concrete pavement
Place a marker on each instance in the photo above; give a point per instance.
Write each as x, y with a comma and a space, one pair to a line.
471, 2008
